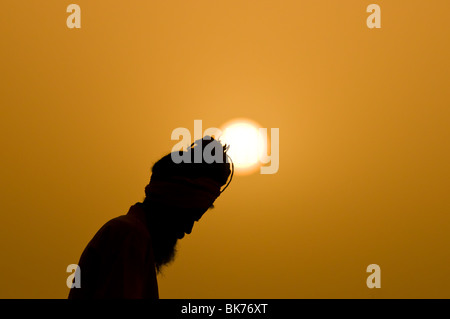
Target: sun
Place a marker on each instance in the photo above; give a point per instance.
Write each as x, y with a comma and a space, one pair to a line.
247, 146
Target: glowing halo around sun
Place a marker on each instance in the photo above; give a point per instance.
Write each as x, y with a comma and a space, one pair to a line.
246, 145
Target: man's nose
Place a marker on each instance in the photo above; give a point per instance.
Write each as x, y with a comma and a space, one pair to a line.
189, 227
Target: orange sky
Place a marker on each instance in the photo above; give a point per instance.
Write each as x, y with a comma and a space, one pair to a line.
363, 116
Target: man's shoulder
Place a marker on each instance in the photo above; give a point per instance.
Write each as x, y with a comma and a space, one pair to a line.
124, 224
118, 230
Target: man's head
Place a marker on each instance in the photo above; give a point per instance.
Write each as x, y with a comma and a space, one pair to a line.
179, 194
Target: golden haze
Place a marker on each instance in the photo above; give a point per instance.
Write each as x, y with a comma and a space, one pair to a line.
364, 130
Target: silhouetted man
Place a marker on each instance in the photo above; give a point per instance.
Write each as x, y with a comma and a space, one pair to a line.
124, 256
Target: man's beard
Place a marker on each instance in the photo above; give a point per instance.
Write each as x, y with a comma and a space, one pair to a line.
164, 250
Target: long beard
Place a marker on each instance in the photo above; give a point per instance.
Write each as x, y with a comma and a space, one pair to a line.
164, 251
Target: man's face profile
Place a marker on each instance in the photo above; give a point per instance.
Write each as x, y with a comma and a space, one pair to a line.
179, 194
171, 225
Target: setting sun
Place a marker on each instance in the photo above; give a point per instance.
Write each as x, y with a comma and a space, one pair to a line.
246, 144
